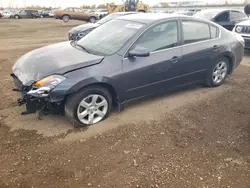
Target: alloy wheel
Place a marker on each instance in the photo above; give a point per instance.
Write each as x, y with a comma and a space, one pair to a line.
220, 72
92, 109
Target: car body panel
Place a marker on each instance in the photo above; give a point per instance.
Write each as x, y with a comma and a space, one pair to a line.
49, 60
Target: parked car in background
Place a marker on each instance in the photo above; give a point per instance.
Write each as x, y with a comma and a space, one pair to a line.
1, 15
44, 13
184, 12
51, 13
26, 14
125, 59
76, 14
243, 28
82, 30
6, 13
226, 18
101, 13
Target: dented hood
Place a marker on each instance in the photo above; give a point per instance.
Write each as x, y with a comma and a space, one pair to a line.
54, 59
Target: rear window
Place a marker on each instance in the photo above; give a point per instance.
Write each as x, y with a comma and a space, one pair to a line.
236, 15
195, 31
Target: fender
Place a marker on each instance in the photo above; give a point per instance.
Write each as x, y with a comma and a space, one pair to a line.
231, 58
59, 92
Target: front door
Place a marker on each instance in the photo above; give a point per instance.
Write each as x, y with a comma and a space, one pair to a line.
144, 76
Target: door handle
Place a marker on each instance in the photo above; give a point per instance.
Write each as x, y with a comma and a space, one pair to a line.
175, 59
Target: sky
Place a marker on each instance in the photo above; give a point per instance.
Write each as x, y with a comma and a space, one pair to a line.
77, 3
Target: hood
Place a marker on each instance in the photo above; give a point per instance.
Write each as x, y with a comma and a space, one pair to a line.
54, 59
244, 23
83, 27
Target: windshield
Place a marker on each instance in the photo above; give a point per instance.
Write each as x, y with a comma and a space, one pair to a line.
207, 14
108, 18
110, 37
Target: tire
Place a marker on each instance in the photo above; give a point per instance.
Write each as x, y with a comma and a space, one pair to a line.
66, 18
220, 70
92, 19
73, 109
41, 16
16, 17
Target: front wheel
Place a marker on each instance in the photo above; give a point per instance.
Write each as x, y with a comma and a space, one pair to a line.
88, 106
92, 19
16, 17
65, 18
218, 73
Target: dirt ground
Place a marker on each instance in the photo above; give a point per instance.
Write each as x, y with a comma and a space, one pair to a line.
196, 137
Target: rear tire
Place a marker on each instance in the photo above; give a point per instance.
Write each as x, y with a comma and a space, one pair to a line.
66, 18
81, 106
218, 72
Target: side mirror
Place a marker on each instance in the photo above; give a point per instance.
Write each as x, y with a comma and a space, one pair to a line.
139, 52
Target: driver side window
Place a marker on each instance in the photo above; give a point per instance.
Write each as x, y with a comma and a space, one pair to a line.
159, 37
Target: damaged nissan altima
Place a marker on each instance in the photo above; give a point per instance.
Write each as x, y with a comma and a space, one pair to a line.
126, 59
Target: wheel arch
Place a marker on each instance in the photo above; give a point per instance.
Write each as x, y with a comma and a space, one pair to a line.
104, 82
66, 15
231, 59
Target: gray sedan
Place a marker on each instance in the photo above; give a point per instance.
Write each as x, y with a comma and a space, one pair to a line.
126, 59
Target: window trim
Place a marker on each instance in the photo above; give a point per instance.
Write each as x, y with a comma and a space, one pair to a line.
125, 56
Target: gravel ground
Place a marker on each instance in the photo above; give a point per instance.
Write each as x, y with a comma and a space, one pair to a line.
196, 137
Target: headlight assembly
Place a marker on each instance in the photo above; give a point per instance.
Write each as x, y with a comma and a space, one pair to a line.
239, 29
50, 81
44, 86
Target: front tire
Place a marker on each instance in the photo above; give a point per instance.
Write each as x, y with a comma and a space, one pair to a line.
92, 19
16, 17
88, 106
66, 18
218, 73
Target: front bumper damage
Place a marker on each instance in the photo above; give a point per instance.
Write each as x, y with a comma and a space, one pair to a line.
35, 99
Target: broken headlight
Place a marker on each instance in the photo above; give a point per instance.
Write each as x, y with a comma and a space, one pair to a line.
44, 86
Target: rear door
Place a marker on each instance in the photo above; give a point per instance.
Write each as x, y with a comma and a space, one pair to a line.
200, 47
223, 19
71, 13
23, 14
145, 76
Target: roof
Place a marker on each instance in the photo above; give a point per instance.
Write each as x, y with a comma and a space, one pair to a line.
148, 18
125, 13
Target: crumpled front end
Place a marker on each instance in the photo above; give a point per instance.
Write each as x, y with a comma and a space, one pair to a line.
35, 99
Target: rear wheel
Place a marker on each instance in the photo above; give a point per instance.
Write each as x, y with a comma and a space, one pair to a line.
41, 16
218, 73
65, 18
88, 106
92, 19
